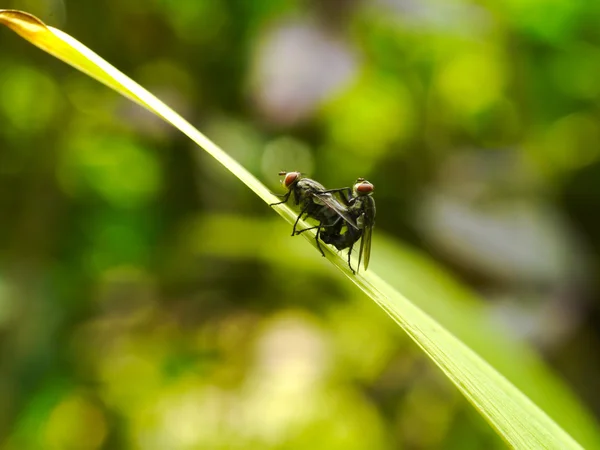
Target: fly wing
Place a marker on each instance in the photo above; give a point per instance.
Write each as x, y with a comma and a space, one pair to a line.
330, 201
367, 221
365, 245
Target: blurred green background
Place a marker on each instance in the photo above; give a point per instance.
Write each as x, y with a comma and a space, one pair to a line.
148, 300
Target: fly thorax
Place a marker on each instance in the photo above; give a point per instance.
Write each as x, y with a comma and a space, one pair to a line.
360, 221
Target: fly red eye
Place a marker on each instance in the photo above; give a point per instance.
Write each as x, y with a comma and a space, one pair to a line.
364, 187
290, 178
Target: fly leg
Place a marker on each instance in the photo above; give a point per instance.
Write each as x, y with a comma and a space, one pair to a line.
298, 219
309, 228
285, 198
349, 264
317, 226
317, 240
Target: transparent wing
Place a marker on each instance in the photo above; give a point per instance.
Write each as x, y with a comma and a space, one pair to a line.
329, 201
365, 245
368, 223
345, 193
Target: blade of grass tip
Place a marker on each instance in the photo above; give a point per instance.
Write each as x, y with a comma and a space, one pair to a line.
71, 51
521, 423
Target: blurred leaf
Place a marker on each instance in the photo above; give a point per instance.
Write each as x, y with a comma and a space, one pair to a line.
520, 422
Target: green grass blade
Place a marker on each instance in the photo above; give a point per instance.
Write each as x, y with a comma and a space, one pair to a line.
516, 419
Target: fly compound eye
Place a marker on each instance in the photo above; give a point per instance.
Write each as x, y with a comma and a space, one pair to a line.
364, 187
290, 178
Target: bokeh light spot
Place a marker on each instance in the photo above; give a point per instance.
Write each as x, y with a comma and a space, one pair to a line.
28, 98
116, 168
471, 81
287, 154
75, 423
370, 116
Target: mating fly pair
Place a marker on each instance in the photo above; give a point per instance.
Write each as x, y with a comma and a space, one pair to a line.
341, 223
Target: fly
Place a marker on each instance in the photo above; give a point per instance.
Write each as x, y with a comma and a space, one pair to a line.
360, 205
